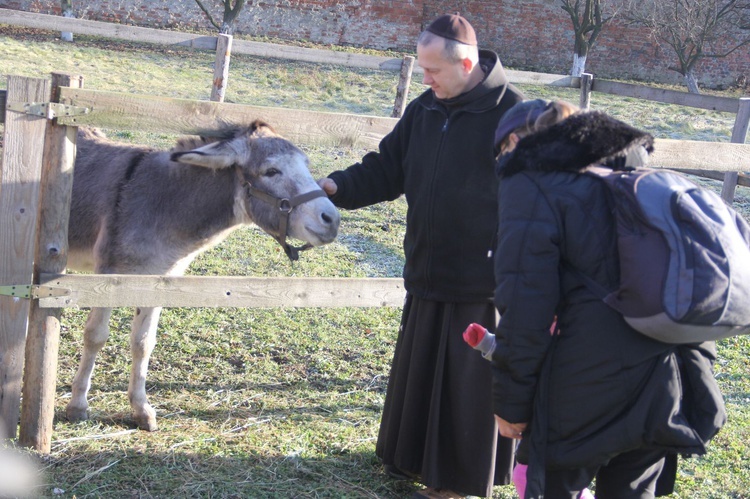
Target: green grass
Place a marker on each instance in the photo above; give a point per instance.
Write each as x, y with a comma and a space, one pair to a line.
286, 402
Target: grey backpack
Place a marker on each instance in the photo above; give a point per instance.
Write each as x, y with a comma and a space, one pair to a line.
684, 258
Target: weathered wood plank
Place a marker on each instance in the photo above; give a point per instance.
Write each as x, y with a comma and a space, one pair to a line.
43, 339
742, 179
318, 56
584, 101
697, 155
710, 102
150, 35
739, 133
3, 96
96, 28
145, 112
741, 121
247, 47
402, 90
221, 68
553, 80
195, 291
19, 200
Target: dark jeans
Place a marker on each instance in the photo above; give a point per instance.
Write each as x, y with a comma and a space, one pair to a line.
632, 475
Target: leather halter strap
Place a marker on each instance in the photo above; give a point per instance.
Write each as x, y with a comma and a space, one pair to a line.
285, 207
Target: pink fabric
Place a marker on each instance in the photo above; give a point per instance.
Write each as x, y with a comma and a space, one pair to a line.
519, 480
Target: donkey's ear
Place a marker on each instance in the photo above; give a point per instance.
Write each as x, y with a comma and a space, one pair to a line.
216, 156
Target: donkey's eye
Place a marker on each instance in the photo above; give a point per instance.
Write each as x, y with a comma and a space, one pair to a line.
271, 172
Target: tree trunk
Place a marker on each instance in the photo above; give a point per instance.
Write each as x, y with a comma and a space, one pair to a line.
691, 82
579, 65
67, 11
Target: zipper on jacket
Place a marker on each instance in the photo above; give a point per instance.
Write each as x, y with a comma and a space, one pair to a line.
431, 221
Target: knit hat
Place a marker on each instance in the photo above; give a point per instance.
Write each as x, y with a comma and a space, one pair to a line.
453, 27
521, 114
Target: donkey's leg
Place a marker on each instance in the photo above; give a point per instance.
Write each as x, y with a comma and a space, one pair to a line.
142, 342
95, 334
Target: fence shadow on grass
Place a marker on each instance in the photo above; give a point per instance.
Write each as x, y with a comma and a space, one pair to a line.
234, 472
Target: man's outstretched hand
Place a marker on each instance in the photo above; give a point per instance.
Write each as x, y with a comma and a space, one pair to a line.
328, 186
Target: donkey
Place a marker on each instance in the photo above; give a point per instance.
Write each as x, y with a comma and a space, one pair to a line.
136, 210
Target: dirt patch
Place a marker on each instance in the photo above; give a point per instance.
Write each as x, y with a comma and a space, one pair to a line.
24, 33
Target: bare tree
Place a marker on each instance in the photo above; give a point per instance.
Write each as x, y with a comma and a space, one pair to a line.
232, 10
588, 21
694, 29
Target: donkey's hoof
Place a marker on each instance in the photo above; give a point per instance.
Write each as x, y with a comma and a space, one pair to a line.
146, 422
76, 414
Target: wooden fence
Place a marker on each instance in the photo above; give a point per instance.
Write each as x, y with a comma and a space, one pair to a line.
36, 182
223, 46
35, 193
38, 157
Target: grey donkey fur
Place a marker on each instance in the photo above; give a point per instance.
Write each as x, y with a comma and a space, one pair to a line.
136, 210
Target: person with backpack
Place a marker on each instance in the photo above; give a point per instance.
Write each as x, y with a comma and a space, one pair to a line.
595, 399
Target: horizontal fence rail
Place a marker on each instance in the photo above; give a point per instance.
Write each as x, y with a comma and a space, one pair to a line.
146, 112
271, 50
665, 96
742, 179
117, 110
166, 37
143, 112
259, 49
698, 155
117, 290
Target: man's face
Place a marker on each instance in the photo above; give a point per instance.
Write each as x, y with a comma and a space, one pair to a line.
446, 79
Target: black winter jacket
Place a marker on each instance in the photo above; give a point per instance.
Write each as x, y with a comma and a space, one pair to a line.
598, 388
440, 155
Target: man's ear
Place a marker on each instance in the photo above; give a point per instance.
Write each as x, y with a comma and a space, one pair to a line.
467, 65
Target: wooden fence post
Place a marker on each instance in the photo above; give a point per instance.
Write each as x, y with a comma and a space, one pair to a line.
402, 92
587, 83
739, 134
43, 339
19, 206
221, 67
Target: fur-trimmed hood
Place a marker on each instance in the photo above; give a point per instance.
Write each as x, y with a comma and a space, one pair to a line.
584, 139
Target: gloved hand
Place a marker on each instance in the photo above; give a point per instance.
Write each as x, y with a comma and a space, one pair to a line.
480, 339
474, 334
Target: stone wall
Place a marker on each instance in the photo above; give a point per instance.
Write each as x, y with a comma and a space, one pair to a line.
533, 35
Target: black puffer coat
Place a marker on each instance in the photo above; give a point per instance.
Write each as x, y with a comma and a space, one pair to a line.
599, 388
440, 155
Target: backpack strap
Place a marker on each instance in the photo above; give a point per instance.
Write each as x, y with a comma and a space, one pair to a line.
597, 289
600, 173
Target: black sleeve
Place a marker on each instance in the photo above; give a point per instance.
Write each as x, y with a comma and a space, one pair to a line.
379, 176
526, 296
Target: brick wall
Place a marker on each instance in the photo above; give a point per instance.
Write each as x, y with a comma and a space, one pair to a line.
532, 35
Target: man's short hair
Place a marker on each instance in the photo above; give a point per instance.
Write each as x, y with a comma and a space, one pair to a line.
453, 51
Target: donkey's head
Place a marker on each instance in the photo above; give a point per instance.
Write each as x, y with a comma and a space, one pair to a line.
277, 191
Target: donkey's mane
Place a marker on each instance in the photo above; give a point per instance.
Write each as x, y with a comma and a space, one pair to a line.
225, 131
